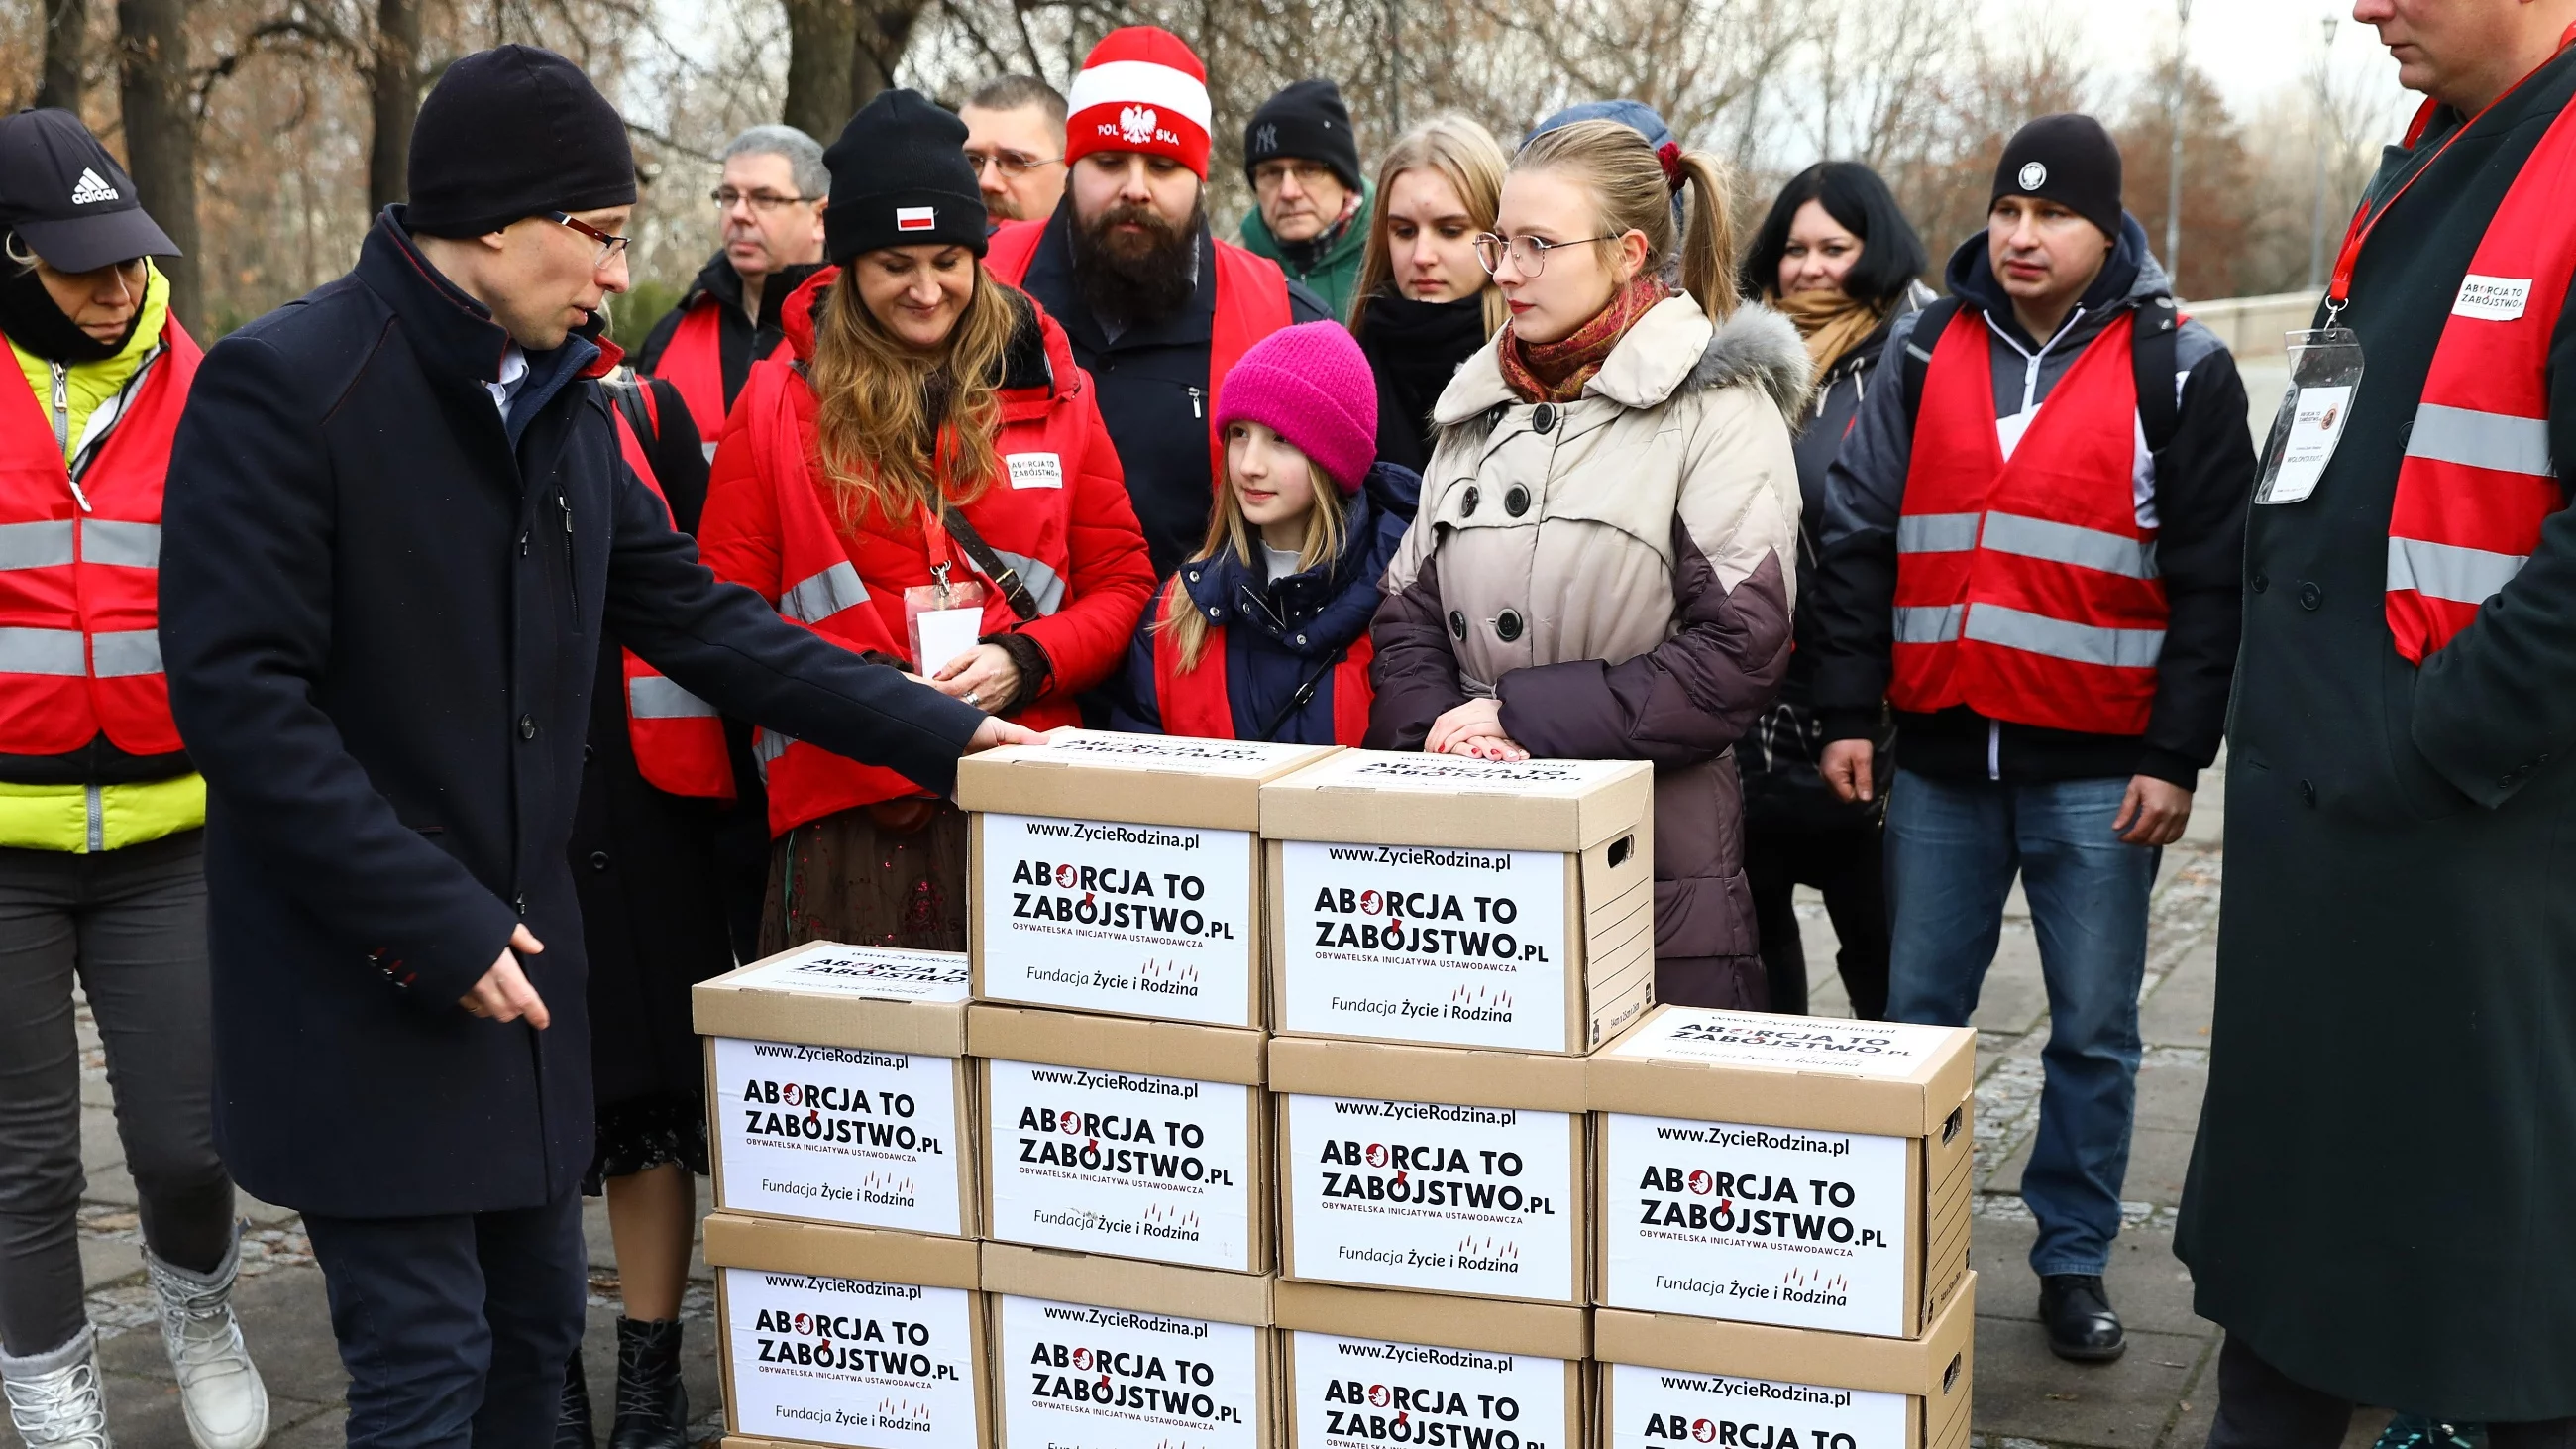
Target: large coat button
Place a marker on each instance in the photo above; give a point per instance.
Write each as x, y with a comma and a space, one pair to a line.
1544, 419
1467, 505
2261, 583
2310, 596
599, 860
1457, 624
1507, 626
2307, 793
1517, 501
527, 727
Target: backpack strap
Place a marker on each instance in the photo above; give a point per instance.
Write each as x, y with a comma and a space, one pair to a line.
2152, 346
1929, 327
626, 394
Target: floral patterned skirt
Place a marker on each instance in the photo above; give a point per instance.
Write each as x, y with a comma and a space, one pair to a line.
890, 875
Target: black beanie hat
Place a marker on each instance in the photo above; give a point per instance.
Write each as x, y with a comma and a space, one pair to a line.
2068, 159
900, 178
514, 132
1306, 121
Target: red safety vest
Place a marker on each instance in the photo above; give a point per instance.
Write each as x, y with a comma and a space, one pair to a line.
2478, 481
1251, 303
693, 362
2026, 589
1199, 704
80, 567
678, 737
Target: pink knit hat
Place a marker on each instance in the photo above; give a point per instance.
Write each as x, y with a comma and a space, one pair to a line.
1310, 384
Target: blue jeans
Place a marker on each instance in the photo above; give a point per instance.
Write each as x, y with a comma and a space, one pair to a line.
1952, 850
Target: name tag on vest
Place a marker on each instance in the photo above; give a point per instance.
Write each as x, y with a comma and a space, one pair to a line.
2492, 299
1043, 470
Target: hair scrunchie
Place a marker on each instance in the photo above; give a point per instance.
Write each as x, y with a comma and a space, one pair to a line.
1669, 156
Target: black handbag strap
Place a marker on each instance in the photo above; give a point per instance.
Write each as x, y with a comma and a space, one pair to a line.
1006, 578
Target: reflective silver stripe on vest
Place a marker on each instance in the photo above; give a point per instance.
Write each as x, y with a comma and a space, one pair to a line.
126, 545
768, 747
123, 655
650, 696
1936, 532
35, 545
1042, 582
2067, 543
2441, 571
1933, 625
2058, 639
2481, 440
43, 651
825, 594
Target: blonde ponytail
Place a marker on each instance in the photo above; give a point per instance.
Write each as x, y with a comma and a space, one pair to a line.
1626, 178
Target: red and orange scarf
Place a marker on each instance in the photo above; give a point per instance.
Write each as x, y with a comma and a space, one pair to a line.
1556, 371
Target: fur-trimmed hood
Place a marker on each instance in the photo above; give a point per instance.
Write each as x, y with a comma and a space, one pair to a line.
1674, 348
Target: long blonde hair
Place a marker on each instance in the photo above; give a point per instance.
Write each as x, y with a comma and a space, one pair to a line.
1627, 179
897, 425
1326, 525
1467, 156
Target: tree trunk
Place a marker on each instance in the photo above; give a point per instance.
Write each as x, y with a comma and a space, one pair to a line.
395, 98
66, 28
878, 41
161, 134
819, 44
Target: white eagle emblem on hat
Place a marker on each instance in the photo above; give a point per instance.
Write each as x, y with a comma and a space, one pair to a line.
1136, 124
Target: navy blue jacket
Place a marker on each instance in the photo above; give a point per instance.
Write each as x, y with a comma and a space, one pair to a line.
1280, 634
380, 612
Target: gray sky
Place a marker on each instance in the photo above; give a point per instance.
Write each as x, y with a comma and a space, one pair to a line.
2252, 48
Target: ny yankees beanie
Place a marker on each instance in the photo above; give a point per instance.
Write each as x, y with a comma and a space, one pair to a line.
1307, 122
1140, 89
510, 133
2068, 159
900, 178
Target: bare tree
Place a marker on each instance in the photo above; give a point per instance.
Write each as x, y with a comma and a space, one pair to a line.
155, 92
66, 36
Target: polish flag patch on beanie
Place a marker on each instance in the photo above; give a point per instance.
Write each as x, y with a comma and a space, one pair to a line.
916, 218
1141, 89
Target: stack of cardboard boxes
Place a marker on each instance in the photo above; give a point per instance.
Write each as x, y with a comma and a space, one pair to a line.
1283, 1100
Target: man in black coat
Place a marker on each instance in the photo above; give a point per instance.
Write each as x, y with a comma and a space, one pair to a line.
397, 525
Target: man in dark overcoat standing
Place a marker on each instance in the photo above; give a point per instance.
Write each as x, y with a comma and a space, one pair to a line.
397, 523
2382, 1203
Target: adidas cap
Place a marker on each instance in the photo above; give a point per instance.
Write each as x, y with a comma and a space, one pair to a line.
67, 198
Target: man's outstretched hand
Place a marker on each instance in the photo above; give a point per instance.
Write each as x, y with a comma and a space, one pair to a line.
996, 731
504, 993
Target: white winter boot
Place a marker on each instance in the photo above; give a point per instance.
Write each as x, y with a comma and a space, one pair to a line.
226, 1403
54, 1398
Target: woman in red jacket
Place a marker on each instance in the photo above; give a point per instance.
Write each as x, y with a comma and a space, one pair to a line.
928, 481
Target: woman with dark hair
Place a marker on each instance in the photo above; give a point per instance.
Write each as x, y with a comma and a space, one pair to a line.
1837, 258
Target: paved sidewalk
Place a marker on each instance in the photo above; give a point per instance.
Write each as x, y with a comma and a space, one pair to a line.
2157, 1397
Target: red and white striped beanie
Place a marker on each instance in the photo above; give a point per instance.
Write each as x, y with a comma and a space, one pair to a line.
1141, 89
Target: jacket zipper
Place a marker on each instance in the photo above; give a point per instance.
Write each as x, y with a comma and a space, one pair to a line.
93, 798
1195, 411
63, 428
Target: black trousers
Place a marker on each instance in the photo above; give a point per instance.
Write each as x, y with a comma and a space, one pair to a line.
1849, 866
455, 1329
2259, 1407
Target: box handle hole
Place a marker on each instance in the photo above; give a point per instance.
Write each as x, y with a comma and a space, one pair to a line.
1957, 1119
1620, 850
1950, 1375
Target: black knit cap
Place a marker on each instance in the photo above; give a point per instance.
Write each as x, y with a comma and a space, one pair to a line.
2068, 159
1307, 122
514, 132
900, 178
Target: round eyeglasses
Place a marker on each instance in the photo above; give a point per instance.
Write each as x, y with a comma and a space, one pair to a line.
1528, 253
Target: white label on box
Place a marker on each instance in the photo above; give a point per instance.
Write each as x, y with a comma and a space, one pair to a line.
1107, 1378
1652, 1408
1761, 1224
1433, 1197
1424, 943
837, 1133
1369, 1393
835, 969
1793, 1043
1148, 920
847, 1361
1123, 1163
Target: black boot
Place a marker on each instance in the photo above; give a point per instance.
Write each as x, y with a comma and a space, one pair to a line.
652, 1407
572, 1422
2081, 1326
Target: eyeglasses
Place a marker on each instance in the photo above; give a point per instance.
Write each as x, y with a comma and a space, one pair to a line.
1528, 253
1309, 174
725, 198
1012, 164
610, 247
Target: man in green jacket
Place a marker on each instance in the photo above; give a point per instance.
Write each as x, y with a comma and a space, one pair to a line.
1304, 164
2378, 1209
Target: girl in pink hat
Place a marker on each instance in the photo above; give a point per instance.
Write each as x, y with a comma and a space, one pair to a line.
1263, 635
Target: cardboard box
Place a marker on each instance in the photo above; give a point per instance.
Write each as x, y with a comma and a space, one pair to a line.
1802, 1171
1366, 1366
1667, 1380
839, 1090
1461, 902
1141, 1139
1433, 1169
1105, 1353
850, 1336
1117, 872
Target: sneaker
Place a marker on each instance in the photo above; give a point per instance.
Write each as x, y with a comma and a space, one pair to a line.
54, 1398
219, 1387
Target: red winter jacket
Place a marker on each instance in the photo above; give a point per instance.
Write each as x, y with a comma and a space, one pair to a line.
1058, 514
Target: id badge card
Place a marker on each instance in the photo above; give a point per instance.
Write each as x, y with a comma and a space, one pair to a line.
945, 620
2325, 377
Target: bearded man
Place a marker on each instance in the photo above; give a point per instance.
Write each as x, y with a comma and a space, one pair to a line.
1157, 307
